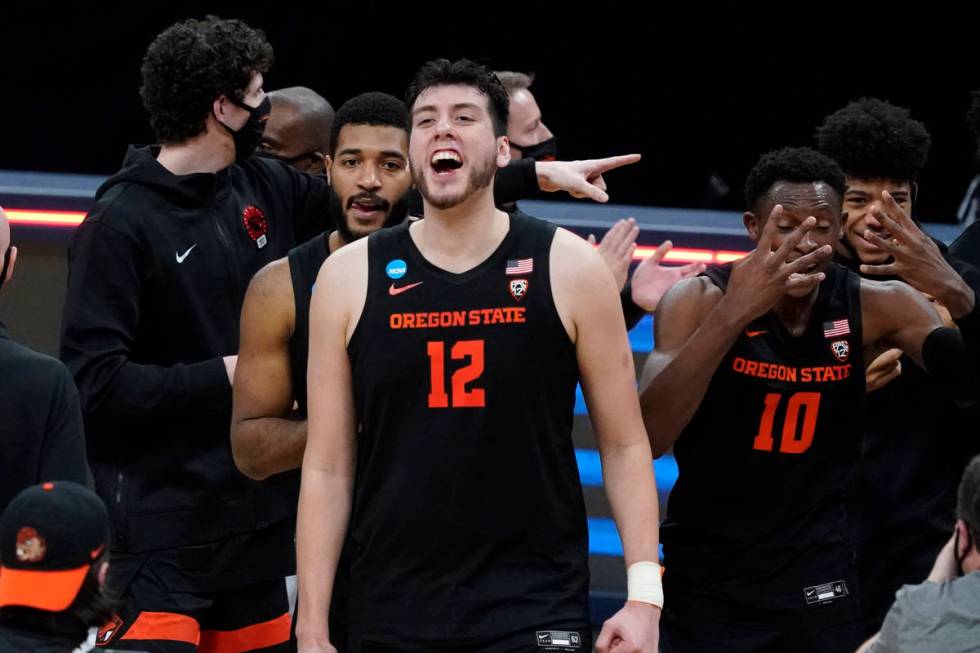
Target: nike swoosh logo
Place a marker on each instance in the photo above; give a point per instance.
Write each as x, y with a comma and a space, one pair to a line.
397, 291
181, 257
753, 334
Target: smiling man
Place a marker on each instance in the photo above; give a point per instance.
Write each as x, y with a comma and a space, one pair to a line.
757, 375
445, 352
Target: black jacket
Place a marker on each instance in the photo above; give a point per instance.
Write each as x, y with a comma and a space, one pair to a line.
157, 276
40, 421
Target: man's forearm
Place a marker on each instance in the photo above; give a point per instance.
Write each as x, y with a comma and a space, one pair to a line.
632, 493
324, 510
268, 445
672, 396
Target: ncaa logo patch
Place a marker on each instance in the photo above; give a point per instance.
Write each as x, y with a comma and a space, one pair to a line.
518, 288
841, 349
396, 269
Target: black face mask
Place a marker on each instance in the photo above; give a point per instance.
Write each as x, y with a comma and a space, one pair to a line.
314, 157
6, 264
250, 135
543, 151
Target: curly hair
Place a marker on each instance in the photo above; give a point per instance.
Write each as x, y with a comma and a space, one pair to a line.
872, 139
794, 164
377, 109
463, 72
191, 64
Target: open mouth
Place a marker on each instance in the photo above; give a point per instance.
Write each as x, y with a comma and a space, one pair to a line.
367, 205
445, 162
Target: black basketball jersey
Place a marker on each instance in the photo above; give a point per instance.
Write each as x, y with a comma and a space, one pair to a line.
468, 521
304, 266
756, 532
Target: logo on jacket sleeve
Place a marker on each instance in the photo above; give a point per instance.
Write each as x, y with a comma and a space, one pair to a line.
255, 225
518, 288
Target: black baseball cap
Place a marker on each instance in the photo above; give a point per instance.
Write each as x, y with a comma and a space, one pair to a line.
50, 535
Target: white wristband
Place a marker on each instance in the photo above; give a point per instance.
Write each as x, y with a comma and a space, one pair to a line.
643, 583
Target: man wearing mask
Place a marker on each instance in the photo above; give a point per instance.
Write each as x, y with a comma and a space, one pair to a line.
298, 129
529, 137
157, 273
941, 613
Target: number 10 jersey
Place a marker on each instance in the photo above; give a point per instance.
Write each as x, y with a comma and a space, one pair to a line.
758, 530
468, 522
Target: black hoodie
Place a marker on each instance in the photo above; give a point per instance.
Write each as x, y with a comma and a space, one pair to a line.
157, 275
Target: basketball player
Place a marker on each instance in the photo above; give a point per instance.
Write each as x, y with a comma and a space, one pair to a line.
448, 349
758, 377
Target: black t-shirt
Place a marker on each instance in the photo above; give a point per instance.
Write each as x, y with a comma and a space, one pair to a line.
468, 521
756, 532
40, 422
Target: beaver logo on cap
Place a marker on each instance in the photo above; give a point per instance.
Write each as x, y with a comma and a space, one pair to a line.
30, 545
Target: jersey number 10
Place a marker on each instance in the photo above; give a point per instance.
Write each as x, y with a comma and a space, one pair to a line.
807, 403
461, 397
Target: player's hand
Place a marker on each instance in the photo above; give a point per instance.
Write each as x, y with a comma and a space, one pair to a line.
580, 178
617, 248
230, 363
651, 281
634, 629
884, 369
917, 259
760, 279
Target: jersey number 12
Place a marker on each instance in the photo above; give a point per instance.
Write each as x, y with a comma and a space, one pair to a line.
461, 397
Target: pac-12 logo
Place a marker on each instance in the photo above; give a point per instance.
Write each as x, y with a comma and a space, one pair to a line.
841, 349
396, 269
518, 288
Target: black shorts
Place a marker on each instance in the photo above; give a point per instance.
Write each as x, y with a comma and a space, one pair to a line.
157, 619
693, 634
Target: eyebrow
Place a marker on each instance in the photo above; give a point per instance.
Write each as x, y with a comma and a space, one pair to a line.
455, 107
385, 153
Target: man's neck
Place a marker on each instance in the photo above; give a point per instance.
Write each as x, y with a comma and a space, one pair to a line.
459, 238
335, 241
795, 312
207, 152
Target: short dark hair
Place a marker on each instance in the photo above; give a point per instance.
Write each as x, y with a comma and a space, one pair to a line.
514, 81
315, 113
793, 164
872, 139
378, 109
968, 500
463, 72
191, 64
94, 605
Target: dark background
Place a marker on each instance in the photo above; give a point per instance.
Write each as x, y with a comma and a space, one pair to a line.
698, 88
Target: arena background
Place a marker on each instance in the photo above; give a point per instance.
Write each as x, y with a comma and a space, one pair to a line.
699, 89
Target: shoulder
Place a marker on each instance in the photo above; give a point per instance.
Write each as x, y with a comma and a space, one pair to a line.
271, 283
31, 369
574, 257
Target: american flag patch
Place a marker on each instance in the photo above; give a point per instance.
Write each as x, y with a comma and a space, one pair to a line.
520, 266
836, 328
